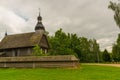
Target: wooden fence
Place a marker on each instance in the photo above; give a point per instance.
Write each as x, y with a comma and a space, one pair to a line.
69, 61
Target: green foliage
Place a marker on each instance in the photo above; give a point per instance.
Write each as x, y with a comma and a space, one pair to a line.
106, 56
116, 50
116, 47
65, 44
60, 44
37, 51
116, 8
89, 50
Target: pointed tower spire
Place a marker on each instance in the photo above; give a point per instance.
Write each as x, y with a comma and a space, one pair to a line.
39, 25
39, 17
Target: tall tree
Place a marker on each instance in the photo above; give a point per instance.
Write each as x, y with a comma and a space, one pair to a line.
94, 50
116, 8
116, 50
60, 44
106, 56
84, 49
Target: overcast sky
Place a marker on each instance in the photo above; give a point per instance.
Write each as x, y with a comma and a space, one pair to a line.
87, 18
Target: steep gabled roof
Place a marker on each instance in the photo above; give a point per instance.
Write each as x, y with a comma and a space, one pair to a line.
21, 40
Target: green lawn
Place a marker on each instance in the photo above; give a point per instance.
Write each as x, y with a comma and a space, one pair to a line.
85, 72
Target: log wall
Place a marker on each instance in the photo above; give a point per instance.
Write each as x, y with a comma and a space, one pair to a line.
69, 61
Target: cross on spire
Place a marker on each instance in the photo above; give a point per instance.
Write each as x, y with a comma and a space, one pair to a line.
39, 17
39, 11
39, 25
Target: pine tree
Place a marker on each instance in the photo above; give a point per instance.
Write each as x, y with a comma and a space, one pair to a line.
106, 56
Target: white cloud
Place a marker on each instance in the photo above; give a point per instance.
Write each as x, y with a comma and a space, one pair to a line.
10, 21
89, 18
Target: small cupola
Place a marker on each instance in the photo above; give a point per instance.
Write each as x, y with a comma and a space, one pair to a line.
39, 25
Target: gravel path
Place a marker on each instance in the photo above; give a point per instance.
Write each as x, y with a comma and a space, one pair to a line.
100, 64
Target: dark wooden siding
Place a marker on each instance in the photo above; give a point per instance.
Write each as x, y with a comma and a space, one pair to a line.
18, 52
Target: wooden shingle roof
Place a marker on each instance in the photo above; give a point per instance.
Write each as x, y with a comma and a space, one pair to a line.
21, 40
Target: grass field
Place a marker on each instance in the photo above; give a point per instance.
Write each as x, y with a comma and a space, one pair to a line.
85, 72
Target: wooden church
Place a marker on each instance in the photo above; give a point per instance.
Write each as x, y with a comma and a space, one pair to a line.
22, 44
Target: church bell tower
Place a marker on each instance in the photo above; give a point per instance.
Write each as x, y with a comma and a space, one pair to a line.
39, 26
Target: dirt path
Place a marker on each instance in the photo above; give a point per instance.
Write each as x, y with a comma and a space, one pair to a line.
100, 64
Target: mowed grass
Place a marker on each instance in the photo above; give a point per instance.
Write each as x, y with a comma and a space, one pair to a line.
85, 72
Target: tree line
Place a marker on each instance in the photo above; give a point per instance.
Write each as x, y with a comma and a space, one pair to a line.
87, 50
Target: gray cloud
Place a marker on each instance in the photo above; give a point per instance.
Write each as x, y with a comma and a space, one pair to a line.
89, 18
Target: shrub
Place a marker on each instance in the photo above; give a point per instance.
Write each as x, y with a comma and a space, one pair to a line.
37, 51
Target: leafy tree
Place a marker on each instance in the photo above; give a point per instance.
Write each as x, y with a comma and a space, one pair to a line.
94, 50
106, 56
74, 44
37, 51
60, 44
89, 50
116, 8
66, 44
84, 48
116, 50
